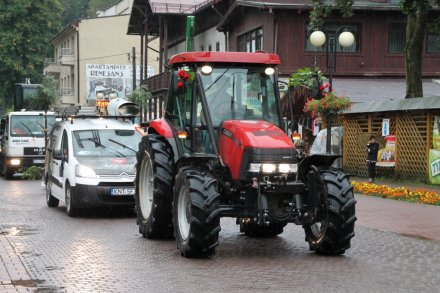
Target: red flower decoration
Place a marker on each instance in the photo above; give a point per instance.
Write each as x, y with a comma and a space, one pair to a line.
181, 73
185, 77
180, 84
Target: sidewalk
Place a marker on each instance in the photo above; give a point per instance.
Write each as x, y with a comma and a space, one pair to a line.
405, 218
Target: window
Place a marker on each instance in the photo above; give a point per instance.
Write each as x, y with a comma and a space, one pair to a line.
251, 41
433, 45
397, 38
202, 48
217, 46
330, 30
209, 48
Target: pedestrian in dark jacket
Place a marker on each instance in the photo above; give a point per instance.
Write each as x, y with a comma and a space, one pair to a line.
373, 148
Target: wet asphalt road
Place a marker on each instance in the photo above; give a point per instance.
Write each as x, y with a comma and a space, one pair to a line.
43, 250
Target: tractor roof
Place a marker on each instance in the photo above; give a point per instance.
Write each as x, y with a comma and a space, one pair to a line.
225, 57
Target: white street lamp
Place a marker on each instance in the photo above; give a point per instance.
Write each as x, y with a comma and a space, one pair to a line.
318, 39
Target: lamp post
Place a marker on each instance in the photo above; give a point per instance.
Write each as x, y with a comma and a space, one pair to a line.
318, 38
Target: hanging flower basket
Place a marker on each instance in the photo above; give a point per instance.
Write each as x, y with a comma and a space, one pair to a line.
330, 104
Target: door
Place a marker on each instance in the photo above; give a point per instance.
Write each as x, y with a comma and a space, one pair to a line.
58, 159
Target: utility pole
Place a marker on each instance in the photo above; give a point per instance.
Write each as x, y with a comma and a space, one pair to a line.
133, 55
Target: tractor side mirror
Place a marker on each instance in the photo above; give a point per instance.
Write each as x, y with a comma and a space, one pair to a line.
179, 86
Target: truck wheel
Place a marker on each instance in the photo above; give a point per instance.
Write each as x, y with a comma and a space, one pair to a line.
196, 214
51, 201
154, 181
334, 228
9, 173
71, 206
251, 229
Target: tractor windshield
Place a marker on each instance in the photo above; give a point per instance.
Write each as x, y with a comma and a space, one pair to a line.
241, 94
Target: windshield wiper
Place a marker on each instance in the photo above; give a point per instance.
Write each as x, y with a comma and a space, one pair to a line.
218, 78
122, 145
98, 143
28, 129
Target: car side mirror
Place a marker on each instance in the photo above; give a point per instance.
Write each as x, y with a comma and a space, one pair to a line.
57, 154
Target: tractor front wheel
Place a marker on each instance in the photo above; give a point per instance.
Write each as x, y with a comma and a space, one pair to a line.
154, 181
333, 229
196, 214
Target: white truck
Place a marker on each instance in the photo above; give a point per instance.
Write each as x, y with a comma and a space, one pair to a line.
23, 140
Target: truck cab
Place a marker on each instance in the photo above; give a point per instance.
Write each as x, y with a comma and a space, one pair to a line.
23, 140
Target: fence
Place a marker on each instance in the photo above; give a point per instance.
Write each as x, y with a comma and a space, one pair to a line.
411, 121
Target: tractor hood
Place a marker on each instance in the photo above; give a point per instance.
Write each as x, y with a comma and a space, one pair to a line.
242, 141
256, 134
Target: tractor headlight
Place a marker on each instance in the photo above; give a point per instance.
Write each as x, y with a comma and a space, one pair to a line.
288, 168
84, 171
268, 168
15, 162
272, 168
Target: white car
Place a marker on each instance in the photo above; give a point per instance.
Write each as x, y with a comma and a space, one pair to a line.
90, 162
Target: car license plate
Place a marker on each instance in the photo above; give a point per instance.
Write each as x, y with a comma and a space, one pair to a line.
38, 161
121, 191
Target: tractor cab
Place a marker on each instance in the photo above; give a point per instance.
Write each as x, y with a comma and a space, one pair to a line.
204, 96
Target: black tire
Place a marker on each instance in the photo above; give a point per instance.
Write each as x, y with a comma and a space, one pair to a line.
332, 233
154, 193
196, 217
51, 201
71, 205
251, 229
9, 173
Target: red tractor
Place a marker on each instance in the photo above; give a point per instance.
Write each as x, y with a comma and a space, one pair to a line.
220, 151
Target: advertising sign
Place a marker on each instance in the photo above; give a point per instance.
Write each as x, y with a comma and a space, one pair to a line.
434, 167
111, 78
386, 157
385, 127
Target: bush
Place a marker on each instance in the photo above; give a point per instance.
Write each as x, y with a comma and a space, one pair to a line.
32, 173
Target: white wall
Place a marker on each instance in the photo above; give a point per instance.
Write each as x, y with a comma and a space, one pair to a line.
209, 37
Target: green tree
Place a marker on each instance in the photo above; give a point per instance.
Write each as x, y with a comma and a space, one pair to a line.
73, 10
47, 94
95, 5
26, 27
417, 25
140, 97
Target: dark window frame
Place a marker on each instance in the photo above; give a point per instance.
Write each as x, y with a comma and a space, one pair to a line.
251, 41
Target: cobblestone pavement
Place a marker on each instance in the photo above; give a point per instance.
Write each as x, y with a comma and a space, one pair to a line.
43, 250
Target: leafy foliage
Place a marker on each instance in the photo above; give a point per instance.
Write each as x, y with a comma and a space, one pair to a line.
73, 10
321, 11
306, 77
46, 95
95, 5
32, 173
330, 104
26, 28
140, 97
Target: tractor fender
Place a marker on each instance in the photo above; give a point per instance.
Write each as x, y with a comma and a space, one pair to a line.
161, 127
201, 160
318, 160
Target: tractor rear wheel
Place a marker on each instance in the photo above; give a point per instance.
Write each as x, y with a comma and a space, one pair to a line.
251, 229
196, 214
332, 232
154, 181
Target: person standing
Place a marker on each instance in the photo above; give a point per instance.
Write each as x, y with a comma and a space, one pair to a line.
373, 148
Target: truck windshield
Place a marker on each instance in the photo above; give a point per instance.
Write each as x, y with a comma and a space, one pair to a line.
30, 125
241, 94
98, 143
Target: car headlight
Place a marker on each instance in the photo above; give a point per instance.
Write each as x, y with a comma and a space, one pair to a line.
272, 168
84, 171
15, 162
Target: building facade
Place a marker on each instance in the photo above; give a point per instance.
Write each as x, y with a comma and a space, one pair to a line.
95, 55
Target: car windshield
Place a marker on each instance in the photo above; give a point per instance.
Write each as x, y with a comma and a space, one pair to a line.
105, 143
30, 125
242, 94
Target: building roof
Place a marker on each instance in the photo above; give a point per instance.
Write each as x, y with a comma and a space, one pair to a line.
383, 95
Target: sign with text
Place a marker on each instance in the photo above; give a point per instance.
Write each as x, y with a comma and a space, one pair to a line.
385, 127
